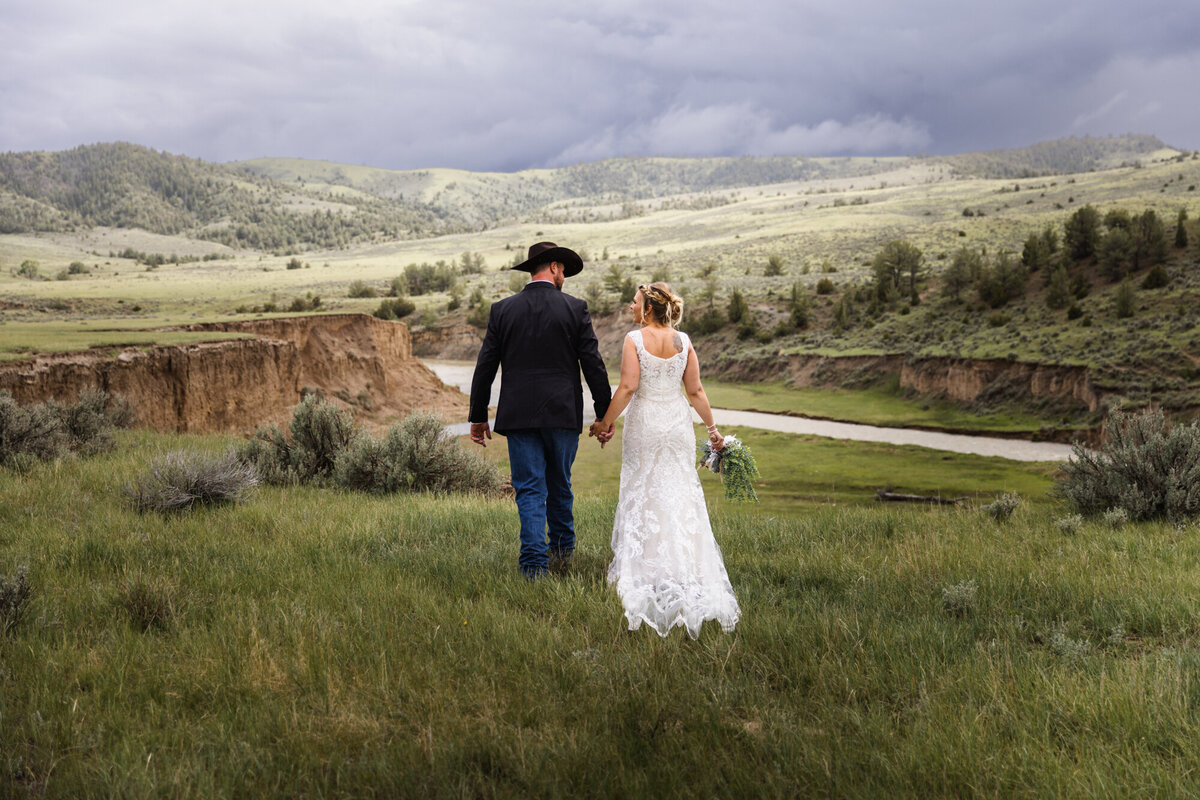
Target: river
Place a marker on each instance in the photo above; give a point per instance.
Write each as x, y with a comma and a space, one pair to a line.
458, 373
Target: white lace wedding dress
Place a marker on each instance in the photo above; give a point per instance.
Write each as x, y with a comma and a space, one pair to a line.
666, 564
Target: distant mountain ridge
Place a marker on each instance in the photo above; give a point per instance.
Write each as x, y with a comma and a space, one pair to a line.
1073, 154
277, 204
488, 198
129, 186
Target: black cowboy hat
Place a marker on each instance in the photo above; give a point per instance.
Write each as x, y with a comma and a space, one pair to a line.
544, 252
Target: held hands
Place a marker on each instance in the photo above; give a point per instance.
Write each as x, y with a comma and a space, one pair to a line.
602, 432
479, 431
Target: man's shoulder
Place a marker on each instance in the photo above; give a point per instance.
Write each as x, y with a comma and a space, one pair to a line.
507, 303
576, 304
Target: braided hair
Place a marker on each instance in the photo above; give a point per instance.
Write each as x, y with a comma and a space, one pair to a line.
661, 304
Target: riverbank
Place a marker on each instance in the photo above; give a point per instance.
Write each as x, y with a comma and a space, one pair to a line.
733, 403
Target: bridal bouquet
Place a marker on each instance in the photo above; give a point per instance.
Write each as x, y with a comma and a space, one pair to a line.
735, 464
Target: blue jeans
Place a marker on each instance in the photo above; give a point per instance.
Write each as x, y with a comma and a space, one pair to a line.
541, 459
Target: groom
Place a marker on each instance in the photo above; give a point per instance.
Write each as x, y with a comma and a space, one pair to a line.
541, 338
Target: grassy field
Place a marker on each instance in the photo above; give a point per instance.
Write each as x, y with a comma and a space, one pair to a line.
22, 339
317, 643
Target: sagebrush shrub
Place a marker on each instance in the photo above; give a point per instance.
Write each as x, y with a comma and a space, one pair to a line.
1116, 517
270, 453
29, 433
14, 599
1069, 524
43, 431
398, 308
1003, 506
959, 599
320, 431
1146, 467
88, 424
1067, 648
179, 481
415, 455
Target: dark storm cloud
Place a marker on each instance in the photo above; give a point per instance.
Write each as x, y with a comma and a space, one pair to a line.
487, 85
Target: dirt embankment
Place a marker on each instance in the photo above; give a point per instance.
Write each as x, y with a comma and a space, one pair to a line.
965, 381
455, 342
236, 385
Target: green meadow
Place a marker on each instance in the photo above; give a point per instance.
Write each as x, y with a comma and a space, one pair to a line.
313, 642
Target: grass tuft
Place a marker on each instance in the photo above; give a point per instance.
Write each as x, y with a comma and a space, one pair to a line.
149, 603
15, 593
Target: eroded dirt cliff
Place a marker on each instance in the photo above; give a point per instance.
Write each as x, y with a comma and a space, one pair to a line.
238, 384
966, 381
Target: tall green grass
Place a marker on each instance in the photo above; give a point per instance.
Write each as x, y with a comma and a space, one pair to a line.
314, 642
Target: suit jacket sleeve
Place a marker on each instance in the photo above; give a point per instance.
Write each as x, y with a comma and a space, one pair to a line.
593, 365
485, 371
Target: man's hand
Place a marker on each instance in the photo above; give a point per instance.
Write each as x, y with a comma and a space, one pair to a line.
479, 432
600, 432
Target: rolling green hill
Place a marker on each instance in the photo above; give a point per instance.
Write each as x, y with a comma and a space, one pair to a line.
491, 198
1061, 156
295, 204
127, 186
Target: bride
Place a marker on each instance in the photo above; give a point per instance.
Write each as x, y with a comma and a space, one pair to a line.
666, 564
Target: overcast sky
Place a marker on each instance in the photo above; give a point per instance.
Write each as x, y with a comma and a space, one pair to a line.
510, 84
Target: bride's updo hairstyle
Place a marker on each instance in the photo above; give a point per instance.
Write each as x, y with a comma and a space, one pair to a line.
660, 304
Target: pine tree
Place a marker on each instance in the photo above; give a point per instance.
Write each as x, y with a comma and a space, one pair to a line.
1124, 300
1082, 233
897, 259
738, 309
1058, 288
1149, 238
1035, 254
1181, 237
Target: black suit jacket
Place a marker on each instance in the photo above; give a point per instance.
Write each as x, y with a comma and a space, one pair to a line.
541, 337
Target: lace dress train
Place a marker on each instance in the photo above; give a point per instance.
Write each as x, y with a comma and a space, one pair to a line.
666, 566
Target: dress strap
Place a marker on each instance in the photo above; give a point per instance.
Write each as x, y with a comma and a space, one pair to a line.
636, 336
